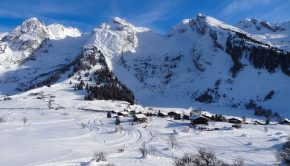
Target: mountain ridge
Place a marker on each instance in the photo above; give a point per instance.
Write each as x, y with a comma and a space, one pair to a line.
199, 61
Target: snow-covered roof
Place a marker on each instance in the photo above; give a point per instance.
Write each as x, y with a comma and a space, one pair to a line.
238, 118
164, 112
124, 113
140, 116
207, 114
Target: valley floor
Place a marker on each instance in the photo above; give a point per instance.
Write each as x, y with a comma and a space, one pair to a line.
71, 135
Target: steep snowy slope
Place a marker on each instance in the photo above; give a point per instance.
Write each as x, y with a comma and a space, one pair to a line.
200, 61
276, 34
58, 31
45, 66
34, 55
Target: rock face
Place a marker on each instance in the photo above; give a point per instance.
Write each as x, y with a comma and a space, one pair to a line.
200, 61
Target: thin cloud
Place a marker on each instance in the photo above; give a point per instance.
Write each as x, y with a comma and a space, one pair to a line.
25, 9
159, 12
237, 6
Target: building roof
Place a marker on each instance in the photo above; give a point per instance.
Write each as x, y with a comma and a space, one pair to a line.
164, 113
286, 120
140, 116
207, 114
124, 113
197, 116
235, 118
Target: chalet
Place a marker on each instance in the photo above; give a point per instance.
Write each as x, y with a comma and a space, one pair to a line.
138, 112
198, 120
237, 126
177, 116
235, 121
185, 117
285, 122
218, 118
171, 114
150, 114
6, 98
162, 114
123, 113
206, 115
257, 122
130, 111
140, 118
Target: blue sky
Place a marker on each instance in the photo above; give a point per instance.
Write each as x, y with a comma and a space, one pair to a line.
160, 15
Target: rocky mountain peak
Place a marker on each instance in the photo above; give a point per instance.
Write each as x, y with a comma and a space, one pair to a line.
259, 25
32, 27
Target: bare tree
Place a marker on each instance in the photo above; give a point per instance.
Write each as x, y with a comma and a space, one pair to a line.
239, 162
204, 157
83, 125
24, 119
186, 129
2, 120
244, 119
143, 150
99, 156
284, 153
118, 128
49, 104
172, 141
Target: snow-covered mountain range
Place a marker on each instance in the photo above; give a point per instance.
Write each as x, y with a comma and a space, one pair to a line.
200, 61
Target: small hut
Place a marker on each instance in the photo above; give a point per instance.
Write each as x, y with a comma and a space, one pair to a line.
171, 114
185, 116
175, 114
206, 115
257, 122
285, 122
140, 118
198, 120
162, 114
218, 118
235, 121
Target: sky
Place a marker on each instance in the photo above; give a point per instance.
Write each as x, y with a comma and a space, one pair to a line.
159, 15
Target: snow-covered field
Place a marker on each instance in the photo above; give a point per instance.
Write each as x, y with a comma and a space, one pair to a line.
71, 135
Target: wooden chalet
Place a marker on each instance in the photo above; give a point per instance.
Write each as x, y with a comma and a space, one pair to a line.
123, 113
194, 120
185, 117
218, 118
162, 114
285, 122
206, 115
235, 121
257, 122
140, 118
